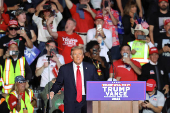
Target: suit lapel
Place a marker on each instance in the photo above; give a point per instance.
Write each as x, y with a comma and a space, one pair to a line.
72, 74
85, 73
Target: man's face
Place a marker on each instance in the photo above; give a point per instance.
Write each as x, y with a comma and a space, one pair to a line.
70, 26
84, 1
154, 57
21, 17
151, 92
163, 5
99, 21
12, 30
125, 49
13, 47
167, 27
50, 46
137, 32
77, 56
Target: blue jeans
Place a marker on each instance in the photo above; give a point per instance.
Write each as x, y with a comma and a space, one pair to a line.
42, 48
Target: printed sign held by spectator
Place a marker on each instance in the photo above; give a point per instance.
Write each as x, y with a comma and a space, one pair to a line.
31, 54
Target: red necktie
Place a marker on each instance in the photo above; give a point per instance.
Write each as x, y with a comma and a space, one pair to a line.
79, 85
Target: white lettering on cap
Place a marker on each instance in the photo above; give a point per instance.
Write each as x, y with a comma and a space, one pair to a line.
149, 85
153, 49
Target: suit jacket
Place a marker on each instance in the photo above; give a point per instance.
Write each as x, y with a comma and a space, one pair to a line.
66, 78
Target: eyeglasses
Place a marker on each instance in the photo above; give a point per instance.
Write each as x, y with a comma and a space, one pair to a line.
11, 28
21, 82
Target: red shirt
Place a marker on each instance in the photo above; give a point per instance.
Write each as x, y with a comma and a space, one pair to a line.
83, 25
5, 19
13, 100
66, 42
124, 71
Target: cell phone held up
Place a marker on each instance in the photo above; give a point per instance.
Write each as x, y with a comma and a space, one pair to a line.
13, 52
53, 51
125, 54
94, 51
99, 26
167, 45
22, 29
81, 6
146, 101
141, 37
106, 4
47, 7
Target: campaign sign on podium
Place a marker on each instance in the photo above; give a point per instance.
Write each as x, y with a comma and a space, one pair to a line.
115, 90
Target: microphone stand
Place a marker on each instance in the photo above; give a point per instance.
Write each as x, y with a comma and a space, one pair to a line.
111, 62
48, 58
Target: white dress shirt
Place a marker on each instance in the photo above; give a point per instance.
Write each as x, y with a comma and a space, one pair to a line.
82, 75
107, 42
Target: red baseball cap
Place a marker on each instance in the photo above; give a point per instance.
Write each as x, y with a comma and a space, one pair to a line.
166, 22
150, 84
153, 50
99, 17
13, 22
163, 0
12, 42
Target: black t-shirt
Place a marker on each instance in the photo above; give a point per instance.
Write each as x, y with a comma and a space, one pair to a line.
20, 40
3, 106
164, 58
149, 72
104, 71
28, 29
128, 36
157, 20
11, 3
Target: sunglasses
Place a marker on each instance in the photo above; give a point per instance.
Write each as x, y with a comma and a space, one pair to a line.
21, 82
11, 28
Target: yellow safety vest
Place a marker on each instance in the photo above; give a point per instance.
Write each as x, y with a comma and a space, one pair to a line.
8, 75
142, 51
27, 103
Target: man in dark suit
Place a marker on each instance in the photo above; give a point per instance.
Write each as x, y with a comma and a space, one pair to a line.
74, 76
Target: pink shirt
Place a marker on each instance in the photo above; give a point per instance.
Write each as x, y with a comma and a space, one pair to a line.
109, 25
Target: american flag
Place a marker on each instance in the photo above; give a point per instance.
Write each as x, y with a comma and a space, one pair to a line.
152, 72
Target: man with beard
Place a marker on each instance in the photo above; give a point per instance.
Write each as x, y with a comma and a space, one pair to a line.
156, 21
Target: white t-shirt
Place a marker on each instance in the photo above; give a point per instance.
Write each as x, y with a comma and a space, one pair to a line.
107, 42
44, 75
43, 34
96, 3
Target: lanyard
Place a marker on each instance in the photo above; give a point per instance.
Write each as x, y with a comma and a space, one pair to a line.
96, 64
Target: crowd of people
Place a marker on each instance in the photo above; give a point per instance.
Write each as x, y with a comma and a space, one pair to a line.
46, 44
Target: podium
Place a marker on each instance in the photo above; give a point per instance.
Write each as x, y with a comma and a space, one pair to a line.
99, 102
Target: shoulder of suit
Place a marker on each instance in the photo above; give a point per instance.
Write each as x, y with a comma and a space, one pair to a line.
66, 65
88, 64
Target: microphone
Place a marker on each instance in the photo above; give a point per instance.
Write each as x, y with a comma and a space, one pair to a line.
109, 55
113, 72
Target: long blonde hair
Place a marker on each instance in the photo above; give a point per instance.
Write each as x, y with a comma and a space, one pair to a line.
15, 88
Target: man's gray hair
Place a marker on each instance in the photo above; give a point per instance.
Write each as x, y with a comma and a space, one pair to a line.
77, 47
73, 20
